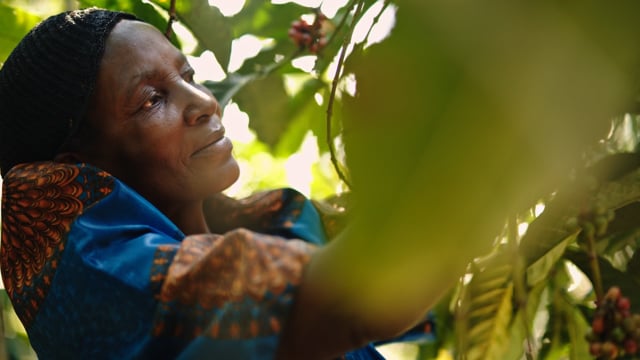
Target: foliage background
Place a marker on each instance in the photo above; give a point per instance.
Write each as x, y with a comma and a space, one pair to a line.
470, 135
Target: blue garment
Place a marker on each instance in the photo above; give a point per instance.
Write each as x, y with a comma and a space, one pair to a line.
94, 271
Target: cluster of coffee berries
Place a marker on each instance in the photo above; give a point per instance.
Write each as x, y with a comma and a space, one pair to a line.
594, 222
615, 331
309, 36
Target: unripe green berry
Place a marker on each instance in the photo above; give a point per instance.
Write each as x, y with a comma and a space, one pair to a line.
618, 335
599, 210
572, 224
610, 215
629, 325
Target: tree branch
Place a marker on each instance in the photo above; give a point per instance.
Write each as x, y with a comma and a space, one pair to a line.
172, 18
332, 96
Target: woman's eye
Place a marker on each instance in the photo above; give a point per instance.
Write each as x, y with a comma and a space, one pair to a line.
152, 101
188, 76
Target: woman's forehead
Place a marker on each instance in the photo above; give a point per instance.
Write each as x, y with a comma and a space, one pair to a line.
135, 54
136, 48
128, 34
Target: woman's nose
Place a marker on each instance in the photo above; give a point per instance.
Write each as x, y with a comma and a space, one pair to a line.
201, 104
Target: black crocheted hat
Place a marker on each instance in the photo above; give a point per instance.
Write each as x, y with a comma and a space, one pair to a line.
47, 81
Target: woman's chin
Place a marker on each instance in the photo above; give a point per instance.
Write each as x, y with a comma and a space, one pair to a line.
226, 175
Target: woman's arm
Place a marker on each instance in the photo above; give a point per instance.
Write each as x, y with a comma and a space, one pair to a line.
354, 292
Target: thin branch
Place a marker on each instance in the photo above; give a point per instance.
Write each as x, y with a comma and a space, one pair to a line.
376, 19
336, 31
172, 18
267, 70
589, 234
332, 96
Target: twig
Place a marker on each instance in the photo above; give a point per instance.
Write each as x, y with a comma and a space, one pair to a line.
593, 262
376, 19
332, 96
267, 70
336, 31
172, 18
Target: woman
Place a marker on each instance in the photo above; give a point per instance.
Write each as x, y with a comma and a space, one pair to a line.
110, 153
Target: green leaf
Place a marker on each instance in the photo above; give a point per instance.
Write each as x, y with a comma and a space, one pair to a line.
226, 89
208, 25
266, 102
16, 23
265, 19
619, 178
521, 328
305, 115
271, 110
490, 336
142, 10
566, 327
486, 307
629, 285
577, 327
540, 270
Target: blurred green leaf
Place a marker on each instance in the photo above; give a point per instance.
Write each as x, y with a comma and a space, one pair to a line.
265, 19
610, 276
16, 23
272, 115
566, 329
208, 25
139, 8
266, 102
304, 115
486, 308
226, 89
540, 270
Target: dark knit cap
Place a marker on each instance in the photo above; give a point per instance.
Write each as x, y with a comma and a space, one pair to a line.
47, 81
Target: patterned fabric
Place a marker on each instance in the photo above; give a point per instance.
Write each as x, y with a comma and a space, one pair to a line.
283, 212
38, 208
95, 271
237, 284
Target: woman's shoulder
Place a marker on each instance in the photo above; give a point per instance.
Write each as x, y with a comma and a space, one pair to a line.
49, 180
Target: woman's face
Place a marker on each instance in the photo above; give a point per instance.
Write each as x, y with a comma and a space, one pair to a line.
153, 127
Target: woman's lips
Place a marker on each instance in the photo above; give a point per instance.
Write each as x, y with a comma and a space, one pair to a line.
220, 143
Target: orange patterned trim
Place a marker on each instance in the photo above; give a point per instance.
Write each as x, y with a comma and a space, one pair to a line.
232, 286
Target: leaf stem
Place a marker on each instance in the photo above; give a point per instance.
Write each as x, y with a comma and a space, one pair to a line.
172, 18
336, 31
376, 19
332, 95
593, 262
267, 70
